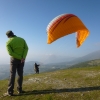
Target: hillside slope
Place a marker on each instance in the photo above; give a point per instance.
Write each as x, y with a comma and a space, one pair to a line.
90, 63
88, 57
67, 84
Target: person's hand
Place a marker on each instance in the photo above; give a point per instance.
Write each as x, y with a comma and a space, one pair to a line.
22, 60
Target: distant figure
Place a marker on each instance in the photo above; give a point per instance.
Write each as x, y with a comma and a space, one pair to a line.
36, 68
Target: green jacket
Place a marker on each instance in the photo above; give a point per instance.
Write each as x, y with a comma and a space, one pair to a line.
17, 47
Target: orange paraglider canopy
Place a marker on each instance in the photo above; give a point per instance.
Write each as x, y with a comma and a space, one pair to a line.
67, 24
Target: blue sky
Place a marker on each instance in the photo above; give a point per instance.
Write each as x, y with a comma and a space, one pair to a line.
29, 19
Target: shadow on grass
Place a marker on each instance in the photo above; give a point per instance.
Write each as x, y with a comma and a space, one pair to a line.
82, 89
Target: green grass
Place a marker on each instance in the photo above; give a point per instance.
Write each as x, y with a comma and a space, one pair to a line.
67, 84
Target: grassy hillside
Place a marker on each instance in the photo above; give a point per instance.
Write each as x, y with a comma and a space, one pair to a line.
67, 84
90, 63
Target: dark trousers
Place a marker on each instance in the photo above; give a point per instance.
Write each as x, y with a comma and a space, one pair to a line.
15, 65
37, 71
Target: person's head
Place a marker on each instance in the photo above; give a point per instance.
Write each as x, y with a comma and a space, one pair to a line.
10, 34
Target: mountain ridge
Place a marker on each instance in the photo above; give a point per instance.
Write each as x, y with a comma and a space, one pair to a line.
29, 66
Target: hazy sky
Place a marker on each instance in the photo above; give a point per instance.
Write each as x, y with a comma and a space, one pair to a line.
29, 19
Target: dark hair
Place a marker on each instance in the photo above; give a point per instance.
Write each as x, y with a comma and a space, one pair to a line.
10, 33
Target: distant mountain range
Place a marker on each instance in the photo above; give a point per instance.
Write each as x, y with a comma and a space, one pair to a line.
88, 57
91, 56
91, 63
29, 66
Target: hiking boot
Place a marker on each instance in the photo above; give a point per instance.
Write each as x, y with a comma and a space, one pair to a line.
19, 90
8, 94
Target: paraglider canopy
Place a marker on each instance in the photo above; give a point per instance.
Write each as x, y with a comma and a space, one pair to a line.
66, 24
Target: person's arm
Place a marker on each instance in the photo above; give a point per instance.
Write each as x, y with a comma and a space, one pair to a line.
25, 52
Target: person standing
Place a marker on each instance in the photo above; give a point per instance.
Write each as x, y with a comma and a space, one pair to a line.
36, 68
17, 48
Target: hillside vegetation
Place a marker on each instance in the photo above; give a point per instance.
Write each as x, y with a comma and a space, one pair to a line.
90, 63
66, 84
